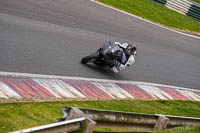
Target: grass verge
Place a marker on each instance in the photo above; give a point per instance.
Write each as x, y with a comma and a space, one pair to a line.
197, 1
151, 11
21, 115
189, 129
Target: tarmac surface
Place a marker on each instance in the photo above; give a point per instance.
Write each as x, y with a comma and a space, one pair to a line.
50, 37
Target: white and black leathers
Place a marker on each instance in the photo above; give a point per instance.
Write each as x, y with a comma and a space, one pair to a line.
126, 60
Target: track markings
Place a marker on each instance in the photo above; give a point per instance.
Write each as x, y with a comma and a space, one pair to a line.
44, 87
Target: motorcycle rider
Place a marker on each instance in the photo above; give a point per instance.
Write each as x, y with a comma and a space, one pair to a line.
125, 53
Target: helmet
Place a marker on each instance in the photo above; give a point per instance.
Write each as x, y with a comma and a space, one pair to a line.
131, 48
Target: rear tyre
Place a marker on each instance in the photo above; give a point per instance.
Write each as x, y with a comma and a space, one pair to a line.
90, 57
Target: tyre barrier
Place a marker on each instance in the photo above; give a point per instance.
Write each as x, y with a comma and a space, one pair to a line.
185, 7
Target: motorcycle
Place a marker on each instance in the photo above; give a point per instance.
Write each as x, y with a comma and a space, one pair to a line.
107, 56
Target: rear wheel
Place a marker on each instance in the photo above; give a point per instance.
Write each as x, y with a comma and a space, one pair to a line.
89, 58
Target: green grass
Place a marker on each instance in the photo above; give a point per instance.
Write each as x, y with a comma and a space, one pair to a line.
156, 13
21, 115
190, 129
198, 1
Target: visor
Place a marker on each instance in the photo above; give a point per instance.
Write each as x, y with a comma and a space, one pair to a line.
130, 51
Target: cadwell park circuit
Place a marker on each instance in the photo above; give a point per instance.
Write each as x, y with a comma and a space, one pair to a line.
42, 43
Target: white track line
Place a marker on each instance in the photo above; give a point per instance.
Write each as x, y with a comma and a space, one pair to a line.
146, 20
41, 76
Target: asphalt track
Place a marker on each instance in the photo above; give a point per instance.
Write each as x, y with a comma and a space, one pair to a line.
50, 37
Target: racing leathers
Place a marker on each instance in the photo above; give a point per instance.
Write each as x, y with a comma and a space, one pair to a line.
123, 60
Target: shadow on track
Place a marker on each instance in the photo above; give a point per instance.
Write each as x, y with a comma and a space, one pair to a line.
105, 71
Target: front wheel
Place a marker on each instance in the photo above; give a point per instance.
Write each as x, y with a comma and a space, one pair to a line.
90, 57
